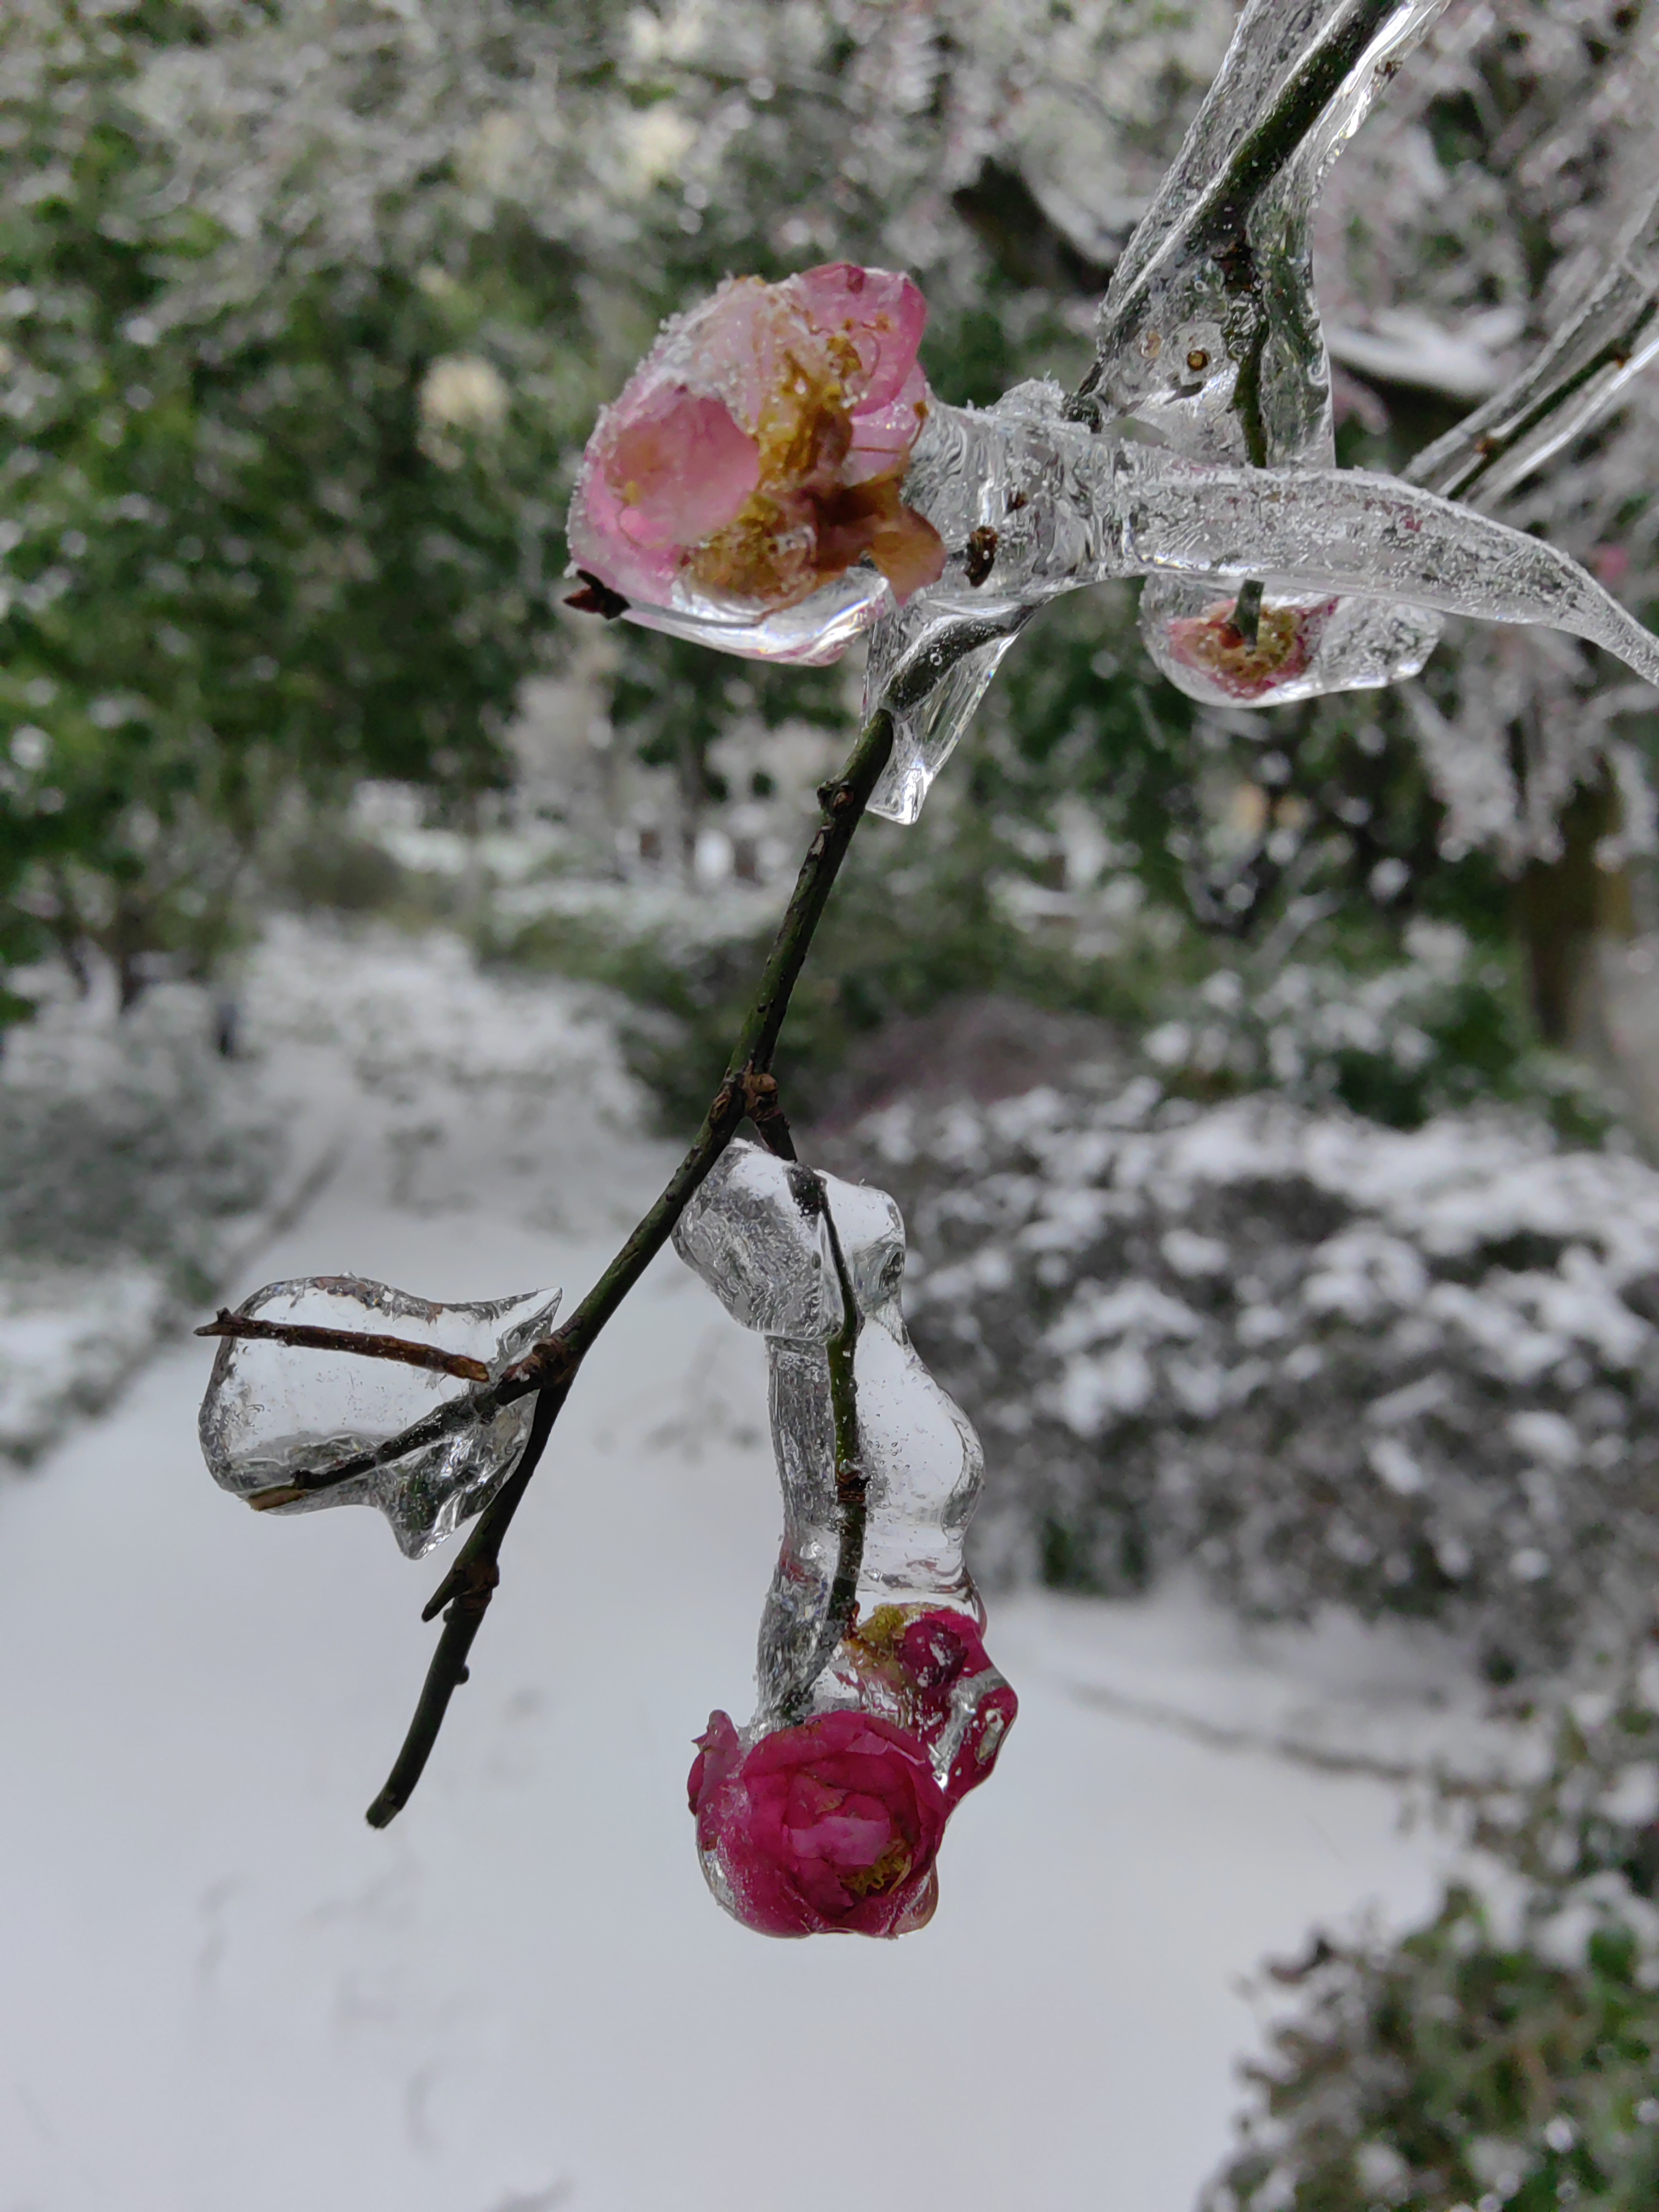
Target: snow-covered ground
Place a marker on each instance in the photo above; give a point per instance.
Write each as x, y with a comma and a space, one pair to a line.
223, 1993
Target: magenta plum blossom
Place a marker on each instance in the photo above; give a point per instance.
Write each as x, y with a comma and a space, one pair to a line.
759, 450
957, 1696
830, 1827
833, 1825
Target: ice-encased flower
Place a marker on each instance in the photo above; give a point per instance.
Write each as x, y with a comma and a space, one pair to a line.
926, 1669
1211, 345
962, 1704
1244, 672
831, 1828
903, 1671
757, 453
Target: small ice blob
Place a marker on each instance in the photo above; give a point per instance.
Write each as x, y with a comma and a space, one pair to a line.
273, 1410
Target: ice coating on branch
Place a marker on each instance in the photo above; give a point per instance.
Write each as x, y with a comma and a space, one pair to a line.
1210, 343
756, 1236
272, 1410
745, 490
1209, 332
1210, 336
1351, 561
825, 1811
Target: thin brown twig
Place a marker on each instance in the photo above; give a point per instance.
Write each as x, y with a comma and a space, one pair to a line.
365, 1345
549, 1368
463, 1598
766, 1116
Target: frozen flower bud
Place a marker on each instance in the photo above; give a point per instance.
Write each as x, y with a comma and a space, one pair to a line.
947, 1693
831, 1828
759, 452
1244, 671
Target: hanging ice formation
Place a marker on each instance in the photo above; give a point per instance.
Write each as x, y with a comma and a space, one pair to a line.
275, 1409
878, 1708
777, 478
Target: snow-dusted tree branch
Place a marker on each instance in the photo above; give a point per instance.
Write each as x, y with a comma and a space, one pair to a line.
776, 479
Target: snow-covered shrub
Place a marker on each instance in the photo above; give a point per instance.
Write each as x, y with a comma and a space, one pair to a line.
1506, 2053
1409, 1373
1440, 1028
133, 1156
133, 1139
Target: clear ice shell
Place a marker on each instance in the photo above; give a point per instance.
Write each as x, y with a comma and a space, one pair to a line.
1308, 644
763, 1247
811, 635
920, 1454
1237, 372
272, 1409
1209, 334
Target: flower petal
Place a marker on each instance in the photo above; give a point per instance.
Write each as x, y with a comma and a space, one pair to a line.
680, 469
880, 312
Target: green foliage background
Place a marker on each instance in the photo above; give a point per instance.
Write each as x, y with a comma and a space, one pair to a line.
248, 561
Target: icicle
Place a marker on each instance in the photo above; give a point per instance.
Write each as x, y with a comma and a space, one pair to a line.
891, 1698
274, 1409
930, 669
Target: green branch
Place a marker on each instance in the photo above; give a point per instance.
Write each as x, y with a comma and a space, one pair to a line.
852, 1481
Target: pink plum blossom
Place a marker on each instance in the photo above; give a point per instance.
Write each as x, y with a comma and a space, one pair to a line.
1287, 639
759, 450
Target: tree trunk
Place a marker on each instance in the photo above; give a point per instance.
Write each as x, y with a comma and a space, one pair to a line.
1570, 911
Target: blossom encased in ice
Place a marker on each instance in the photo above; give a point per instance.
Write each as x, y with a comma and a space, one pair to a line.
757, 453
831, 1828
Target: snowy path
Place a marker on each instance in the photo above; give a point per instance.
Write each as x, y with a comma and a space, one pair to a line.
223, 1993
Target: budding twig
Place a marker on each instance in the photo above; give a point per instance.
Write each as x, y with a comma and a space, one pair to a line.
549, 1368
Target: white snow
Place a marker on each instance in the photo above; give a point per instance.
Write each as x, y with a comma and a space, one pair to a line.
224, 1993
